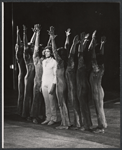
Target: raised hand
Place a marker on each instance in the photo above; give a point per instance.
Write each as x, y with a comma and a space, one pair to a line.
68, 32
37, 27
33, 29
52, 29
103, 39
24, 27
93, 41
94, 34
85, 38
51, 32
76, 39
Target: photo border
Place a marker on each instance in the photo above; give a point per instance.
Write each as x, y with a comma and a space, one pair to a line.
2, 55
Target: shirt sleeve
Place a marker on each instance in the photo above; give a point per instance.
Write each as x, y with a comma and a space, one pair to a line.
54, 71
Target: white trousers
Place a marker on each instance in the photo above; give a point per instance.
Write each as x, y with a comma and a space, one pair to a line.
50, 103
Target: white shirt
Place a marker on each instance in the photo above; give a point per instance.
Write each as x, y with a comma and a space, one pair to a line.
49, 71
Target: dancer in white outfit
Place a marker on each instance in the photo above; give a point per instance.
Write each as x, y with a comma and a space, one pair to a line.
48, 86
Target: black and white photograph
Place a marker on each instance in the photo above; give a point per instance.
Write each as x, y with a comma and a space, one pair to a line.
61, 74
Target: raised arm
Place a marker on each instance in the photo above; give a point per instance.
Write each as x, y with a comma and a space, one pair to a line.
49, 42
81, 45
27, 50
80, 51
33, 36
25, 40
103, 40
66, 46
18, 46
93, 44
18, 39
100, 56
37, 45
70, 62
74, 44
54, 48
85, 41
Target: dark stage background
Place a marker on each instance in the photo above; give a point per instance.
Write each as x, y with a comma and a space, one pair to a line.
103, 17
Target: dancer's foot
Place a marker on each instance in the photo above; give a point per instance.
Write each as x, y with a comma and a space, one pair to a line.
45, 122
99, 131
85, 129
51, 123
35, 121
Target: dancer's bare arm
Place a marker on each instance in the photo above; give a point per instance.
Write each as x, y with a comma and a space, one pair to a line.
103, 40
74, 44
37, 39
54, 48
66, 46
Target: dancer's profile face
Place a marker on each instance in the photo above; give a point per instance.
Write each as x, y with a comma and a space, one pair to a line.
47, 53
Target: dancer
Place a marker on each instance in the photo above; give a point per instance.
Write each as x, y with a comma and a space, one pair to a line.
71, 82
48, 86
97, 90
83, 85
38, 107
22, 71
29, 78
61, 89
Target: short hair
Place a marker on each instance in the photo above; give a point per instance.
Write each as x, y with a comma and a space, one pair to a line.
48, 47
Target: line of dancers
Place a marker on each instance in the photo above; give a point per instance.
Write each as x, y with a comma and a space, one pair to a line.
49, 76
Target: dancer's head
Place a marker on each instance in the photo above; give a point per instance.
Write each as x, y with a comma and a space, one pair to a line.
47, 52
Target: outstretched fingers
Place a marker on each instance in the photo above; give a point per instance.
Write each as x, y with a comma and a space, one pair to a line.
103, 39
51, 32
68, 32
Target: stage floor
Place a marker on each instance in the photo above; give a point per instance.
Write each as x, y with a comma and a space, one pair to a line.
19, 133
